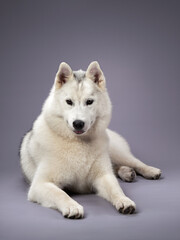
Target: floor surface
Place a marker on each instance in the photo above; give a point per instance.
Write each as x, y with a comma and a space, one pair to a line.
157, 215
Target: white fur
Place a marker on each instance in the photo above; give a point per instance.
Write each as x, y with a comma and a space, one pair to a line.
54, 157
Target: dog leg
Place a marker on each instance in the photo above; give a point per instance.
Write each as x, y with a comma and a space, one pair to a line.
49, 195
108, 187
121, 155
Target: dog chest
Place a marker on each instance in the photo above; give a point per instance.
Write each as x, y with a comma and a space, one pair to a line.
74, 162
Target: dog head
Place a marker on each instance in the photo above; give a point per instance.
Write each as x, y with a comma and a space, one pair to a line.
80, 98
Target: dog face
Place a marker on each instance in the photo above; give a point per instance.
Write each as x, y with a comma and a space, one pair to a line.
80, 96
79, 105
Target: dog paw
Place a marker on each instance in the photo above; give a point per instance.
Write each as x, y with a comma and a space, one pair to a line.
125, 205
127, 174
73, 211
152, 173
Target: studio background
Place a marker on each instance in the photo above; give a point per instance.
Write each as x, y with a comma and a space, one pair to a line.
136, 43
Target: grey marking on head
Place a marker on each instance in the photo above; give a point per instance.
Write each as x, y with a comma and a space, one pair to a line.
79, 75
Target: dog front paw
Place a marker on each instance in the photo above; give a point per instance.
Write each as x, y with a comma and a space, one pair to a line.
73, 211
125, 205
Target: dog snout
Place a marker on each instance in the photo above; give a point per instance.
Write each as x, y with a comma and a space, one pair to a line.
78, 125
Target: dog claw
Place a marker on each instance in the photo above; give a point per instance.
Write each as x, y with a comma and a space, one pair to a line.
128, 210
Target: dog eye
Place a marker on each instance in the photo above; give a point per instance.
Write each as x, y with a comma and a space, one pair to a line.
89, 101
69, 102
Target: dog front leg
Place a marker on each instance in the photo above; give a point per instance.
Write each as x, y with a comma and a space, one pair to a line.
108, 187
49, 195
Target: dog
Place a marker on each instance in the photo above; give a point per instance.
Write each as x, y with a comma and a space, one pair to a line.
70, 146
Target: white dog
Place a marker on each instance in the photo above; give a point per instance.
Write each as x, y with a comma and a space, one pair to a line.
70, 146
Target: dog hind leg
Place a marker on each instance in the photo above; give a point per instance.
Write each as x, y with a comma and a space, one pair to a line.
121, 156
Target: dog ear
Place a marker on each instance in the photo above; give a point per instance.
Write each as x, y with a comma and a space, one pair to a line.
95, 73
63, 75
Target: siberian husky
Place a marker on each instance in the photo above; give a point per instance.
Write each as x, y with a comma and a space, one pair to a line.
70, 147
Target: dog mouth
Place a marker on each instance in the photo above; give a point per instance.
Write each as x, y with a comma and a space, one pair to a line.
79, 132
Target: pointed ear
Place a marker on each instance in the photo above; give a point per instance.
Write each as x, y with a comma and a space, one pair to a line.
63, 75
95, 73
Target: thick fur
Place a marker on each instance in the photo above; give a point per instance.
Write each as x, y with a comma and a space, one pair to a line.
55, 156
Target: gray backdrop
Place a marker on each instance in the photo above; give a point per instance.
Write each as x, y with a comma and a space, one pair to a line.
137, 45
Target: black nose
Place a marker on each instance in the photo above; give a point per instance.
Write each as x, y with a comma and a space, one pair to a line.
78, 124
